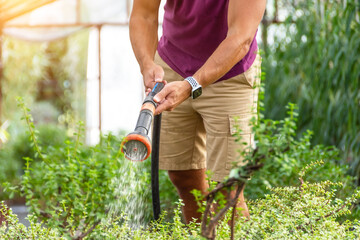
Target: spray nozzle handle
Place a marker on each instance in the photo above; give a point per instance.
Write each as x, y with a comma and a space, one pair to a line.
157, 88
150, 97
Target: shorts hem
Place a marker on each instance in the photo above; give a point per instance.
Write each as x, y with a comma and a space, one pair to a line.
219, 177
176, 167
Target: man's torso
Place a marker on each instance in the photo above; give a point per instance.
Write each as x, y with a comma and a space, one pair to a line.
192, 30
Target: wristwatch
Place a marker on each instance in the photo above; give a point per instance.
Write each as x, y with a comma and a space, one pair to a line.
196, 87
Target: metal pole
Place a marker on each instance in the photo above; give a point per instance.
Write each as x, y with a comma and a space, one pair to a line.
78, 11
1, 73
128, 9
99, 58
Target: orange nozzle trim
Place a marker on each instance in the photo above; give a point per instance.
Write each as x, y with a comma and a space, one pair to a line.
136, 137
148, 106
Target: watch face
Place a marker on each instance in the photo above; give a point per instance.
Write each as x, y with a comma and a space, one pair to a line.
197, 92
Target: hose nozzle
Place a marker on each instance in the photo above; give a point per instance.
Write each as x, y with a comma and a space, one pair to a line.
136, 146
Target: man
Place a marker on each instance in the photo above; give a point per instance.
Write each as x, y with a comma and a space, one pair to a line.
208, 59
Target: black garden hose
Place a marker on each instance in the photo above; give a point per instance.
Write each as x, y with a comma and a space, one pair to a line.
155, 166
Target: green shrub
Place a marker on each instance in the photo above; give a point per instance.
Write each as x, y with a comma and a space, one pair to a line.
283, 160
79, 192
281, 167
13, 153
315, 63
306, 211
13, 229
9, 171
48, 136
72, 187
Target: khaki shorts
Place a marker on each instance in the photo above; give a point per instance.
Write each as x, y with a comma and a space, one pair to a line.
198, 133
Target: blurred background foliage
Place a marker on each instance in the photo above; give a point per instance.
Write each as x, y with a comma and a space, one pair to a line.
48, 76
51, 77
313, 60
12, 154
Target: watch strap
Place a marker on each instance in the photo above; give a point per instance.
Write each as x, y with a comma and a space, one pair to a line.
192, 82
196, 87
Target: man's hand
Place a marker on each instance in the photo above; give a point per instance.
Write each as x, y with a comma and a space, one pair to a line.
172, 95
152, 74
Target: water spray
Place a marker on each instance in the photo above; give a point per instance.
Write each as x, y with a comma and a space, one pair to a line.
137, 146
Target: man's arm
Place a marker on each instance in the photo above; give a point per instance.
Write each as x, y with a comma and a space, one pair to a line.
244, 17
144, 38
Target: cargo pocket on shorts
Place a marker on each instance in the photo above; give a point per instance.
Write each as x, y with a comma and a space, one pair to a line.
239, 139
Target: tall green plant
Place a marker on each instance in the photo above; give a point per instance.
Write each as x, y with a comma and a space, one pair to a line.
72, 188
316, 65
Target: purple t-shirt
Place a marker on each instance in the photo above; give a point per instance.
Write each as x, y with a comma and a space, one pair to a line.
192, 30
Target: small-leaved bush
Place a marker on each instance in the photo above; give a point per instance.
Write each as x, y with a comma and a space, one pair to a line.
13, 152
306, 211
74, 190
289, 154
71, 188
74, 187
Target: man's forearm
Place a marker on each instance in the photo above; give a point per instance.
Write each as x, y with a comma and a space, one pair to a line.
229, 52
244, 17
144, 39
